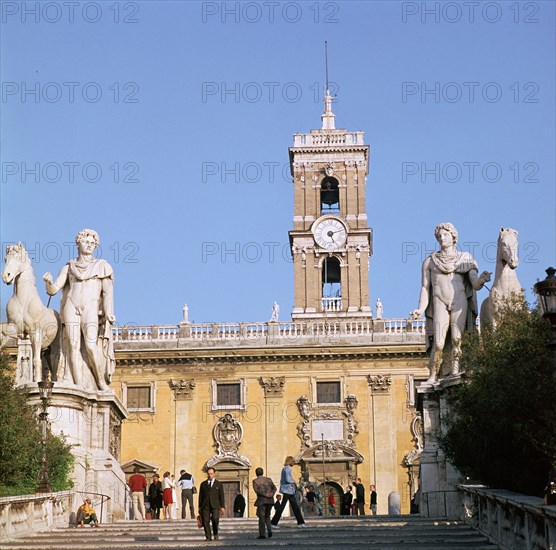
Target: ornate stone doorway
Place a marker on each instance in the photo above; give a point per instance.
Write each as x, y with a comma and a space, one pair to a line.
235, 476
337, 491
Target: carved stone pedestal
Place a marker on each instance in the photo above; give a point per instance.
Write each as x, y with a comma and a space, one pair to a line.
439, 497
91, 422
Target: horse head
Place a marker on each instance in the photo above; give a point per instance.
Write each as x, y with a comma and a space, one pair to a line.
17, 261
508, 247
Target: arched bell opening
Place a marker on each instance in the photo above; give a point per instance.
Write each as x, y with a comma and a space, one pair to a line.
329, 196
331, 284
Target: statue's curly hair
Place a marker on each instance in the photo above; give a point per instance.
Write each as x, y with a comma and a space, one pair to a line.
87, 233
446, 226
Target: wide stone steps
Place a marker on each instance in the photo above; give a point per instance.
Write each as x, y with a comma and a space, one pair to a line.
339, 533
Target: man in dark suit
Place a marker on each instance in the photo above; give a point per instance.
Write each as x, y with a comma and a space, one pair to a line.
359, 495
211, 503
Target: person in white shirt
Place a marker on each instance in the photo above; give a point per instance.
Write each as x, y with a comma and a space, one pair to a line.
187, 485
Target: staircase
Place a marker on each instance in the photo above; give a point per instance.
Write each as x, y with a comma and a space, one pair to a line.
339, 533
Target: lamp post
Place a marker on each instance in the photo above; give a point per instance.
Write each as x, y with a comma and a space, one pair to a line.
45, 392
324, 501
546, 291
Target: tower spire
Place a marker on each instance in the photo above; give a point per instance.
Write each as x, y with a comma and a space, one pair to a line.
328, 117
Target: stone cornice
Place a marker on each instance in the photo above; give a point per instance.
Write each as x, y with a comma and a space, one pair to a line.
215, 356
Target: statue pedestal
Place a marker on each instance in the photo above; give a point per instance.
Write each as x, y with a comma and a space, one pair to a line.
439, 496
91, 421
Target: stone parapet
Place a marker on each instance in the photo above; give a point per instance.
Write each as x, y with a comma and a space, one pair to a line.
26, 514
275, 334
509, 520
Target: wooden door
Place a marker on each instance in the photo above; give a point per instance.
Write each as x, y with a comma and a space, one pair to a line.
230, 488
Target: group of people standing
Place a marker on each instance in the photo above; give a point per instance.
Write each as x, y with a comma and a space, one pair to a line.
162, 495
355, 505
211, 502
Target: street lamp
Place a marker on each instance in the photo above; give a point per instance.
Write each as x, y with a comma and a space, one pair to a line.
45, 392
546, 290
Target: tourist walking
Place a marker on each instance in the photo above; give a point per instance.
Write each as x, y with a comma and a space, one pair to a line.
265, 490
288, 488
137, 485
155, 496
187, 484
276, 505
211, 503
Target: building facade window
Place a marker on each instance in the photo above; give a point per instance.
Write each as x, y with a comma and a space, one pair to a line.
229, 394
329, 392
139, 397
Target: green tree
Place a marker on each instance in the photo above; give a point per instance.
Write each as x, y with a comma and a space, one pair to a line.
20, 443
502, 426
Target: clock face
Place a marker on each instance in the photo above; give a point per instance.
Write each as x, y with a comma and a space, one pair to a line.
330, 234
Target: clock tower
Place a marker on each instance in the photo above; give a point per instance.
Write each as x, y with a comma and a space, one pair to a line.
331, 241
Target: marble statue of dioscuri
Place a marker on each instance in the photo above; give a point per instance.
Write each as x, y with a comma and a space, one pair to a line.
448, 298
28, 316
505, 279
87, 314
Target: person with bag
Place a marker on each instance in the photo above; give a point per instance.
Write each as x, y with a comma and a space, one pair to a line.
265, 490
288, 488
187, 484
211, 503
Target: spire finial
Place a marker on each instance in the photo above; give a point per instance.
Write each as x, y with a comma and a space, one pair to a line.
326, 62
328, 117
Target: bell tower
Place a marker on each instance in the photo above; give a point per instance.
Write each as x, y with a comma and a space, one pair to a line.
331, 242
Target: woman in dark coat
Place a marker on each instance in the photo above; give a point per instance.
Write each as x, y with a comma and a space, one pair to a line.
347, 499
155, 496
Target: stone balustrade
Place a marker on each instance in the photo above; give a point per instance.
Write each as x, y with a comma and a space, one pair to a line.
332, 137
27, 514
510, 520
277, 333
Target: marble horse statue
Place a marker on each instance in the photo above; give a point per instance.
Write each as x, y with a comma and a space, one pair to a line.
505, 279
28, 316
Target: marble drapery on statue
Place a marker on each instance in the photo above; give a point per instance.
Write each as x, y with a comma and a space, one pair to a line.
87, 313
448, 298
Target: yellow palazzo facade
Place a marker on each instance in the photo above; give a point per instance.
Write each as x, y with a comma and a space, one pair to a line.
334, 387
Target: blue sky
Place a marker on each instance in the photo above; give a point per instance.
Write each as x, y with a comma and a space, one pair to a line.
165, 126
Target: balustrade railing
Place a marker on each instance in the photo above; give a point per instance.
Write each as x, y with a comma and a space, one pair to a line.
332, 304
334, 137
509, 520
383, 330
